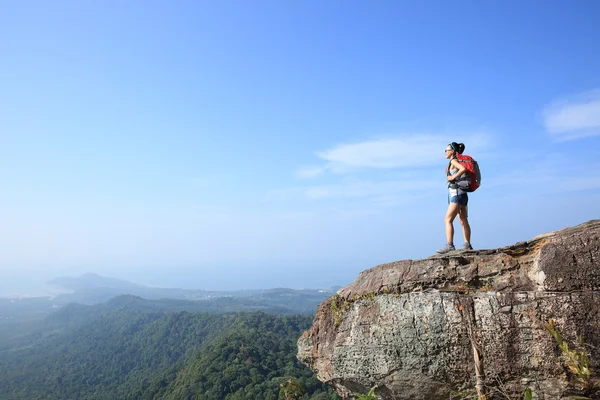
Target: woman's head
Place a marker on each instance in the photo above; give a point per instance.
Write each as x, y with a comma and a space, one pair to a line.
454, 148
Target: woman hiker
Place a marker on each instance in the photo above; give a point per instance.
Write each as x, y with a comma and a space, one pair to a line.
457, 199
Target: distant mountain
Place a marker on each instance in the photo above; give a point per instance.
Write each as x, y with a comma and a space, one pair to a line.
91, 280
92, 289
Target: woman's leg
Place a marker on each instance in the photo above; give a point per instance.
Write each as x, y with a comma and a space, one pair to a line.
449, 219
463, 217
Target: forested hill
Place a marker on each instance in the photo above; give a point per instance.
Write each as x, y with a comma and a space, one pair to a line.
19, 328
19, 317
128, 350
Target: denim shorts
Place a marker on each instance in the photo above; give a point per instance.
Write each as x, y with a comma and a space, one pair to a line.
461, 198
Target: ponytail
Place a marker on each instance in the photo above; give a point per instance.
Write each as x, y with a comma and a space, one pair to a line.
458, 147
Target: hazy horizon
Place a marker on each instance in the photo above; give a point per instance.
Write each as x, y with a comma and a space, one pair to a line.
37, 286
215, 278
249, 145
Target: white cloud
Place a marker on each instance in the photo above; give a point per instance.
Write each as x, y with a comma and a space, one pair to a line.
309, 172
399, 152
574, 117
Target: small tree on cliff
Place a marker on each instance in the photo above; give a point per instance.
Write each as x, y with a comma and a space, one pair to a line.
292, 390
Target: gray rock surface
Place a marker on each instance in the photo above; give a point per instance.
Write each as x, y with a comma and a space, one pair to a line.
414, 329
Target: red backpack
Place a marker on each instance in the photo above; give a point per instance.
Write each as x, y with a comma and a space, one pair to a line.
474, 178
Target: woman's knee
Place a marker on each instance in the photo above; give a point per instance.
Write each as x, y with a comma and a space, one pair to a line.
449, 218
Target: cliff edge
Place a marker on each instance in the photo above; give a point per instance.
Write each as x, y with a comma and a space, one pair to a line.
433, 328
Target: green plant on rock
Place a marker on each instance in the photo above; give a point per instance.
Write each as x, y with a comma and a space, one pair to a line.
576, 360
368, 396
365, 296
339, 305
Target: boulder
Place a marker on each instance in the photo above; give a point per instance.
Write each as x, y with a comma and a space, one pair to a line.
452, 325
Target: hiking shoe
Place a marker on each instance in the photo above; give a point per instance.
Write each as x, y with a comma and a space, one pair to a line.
446, 249
467, 246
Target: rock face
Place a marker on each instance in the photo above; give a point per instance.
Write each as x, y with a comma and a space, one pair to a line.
441, 326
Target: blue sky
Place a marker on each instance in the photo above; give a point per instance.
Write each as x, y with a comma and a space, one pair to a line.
237, 144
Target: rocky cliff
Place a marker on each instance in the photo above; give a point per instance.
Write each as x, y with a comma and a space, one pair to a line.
445, 325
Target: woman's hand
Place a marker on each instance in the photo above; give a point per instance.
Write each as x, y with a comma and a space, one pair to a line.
450, 178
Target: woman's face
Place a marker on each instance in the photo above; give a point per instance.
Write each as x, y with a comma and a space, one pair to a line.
449, 152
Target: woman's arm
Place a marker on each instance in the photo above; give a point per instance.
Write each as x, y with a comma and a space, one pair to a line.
461, 170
